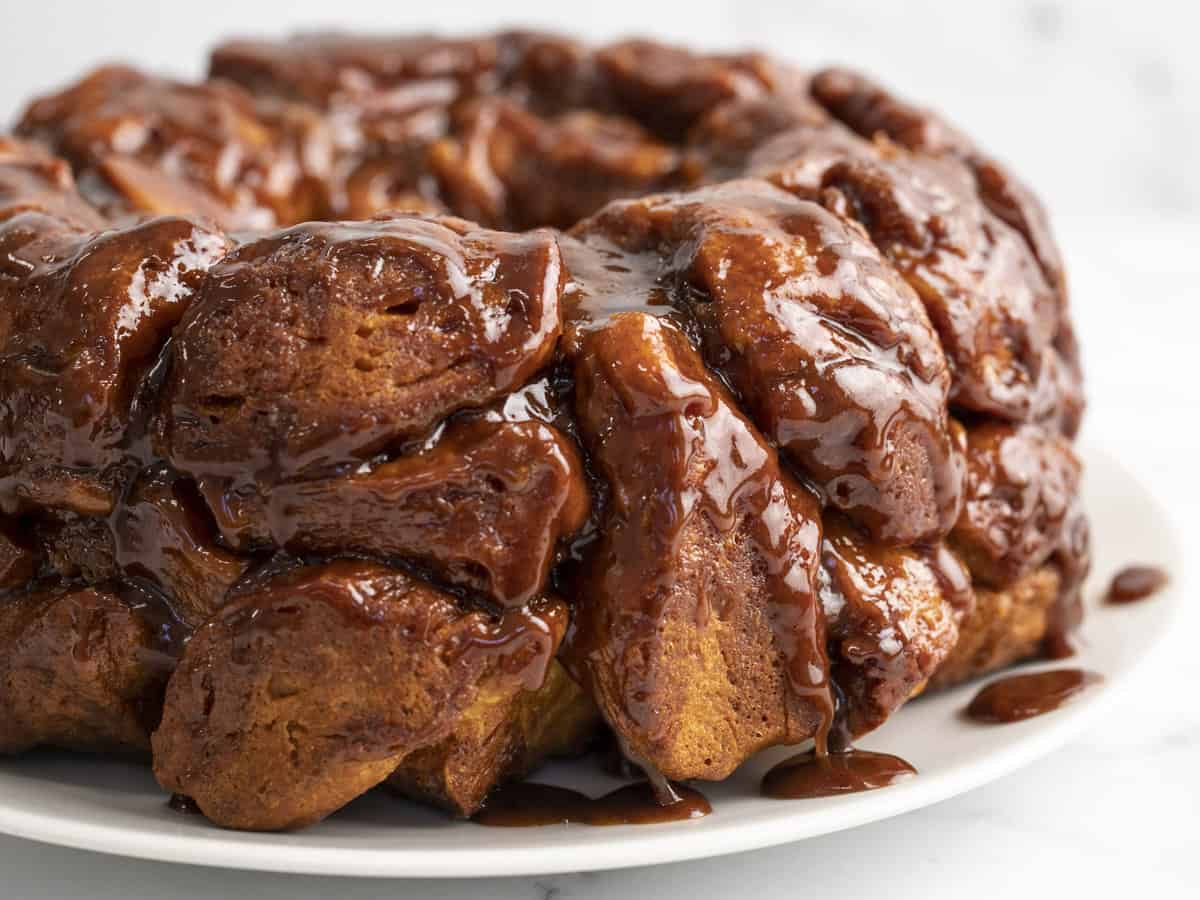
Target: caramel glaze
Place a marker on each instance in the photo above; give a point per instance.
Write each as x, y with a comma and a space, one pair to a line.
328, 69
1018, 697
650, 242
163, 535
812, 774
528, 171
527, 803
1135, 583
18, 558
871, 110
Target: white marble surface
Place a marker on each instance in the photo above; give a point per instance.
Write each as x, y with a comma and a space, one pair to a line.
1118, 810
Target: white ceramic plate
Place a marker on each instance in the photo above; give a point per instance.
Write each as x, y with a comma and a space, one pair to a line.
117, 808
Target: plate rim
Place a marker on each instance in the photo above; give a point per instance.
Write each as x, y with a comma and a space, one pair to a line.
654, 844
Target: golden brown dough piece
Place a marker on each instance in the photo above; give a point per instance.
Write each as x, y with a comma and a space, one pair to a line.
332, 68
697, 626
323, 344
1007, 625
509, 168
143, 144
81, 321
310, 689
501, 736
31, 180
160, 538
1022, 481
484, 508
893, 615
870, 109
985, 292
80, 669
1000, 305
389, 100
669, 89
721, 142
1024, 537
83, 315
1003, 323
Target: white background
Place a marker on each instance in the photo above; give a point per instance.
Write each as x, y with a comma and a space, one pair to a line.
1096, 104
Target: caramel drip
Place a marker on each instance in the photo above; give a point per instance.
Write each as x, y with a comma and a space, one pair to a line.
1136, 583
1018, 697
813, 774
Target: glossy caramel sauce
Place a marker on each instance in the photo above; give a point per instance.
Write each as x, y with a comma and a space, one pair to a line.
809, 775
527, 803
1135, 583
1019, 697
